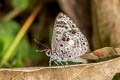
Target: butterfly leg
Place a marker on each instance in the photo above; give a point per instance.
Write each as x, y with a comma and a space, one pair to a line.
66, 63
61, 63
56, 63
50, 62
48, 52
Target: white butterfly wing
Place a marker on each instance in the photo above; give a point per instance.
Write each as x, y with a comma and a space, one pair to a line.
59, 28
67, 41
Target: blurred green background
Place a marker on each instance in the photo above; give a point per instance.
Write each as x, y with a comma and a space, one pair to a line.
13, 14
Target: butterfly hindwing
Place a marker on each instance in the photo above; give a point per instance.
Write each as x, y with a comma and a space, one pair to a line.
68, 42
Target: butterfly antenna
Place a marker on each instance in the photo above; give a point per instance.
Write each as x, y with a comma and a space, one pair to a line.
42, 50
56, 63
41, 43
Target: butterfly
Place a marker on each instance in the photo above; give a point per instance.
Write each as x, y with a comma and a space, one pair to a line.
68, 42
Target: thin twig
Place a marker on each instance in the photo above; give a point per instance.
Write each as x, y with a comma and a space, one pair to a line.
12, 14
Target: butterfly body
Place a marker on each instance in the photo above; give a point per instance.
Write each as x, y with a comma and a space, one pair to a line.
68, 42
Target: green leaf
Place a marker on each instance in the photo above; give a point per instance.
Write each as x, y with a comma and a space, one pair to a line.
8, 32
9, 27
5, 40
20, 4
17, 61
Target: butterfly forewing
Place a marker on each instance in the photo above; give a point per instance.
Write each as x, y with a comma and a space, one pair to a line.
61, 25
68, 42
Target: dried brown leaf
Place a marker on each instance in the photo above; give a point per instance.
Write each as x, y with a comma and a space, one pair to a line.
93, 71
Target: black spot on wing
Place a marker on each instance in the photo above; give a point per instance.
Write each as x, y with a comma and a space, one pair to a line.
66, 27
63, 39
61, 45
58, 32
67, 39
73, 26
73, 31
